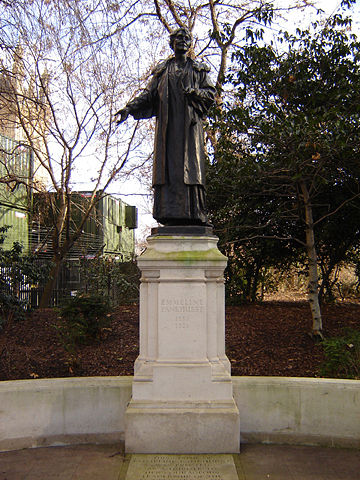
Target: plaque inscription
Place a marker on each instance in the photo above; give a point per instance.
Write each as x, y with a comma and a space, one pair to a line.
182, 467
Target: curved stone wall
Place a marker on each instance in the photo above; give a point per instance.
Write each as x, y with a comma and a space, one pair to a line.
67, 411
303, 411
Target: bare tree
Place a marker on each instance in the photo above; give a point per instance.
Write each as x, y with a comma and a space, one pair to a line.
219, 26
69, 69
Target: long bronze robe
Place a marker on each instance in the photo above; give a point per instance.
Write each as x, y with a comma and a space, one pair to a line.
179, 156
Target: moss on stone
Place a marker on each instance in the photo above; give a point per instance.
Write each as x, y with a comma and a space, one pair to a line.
187, 256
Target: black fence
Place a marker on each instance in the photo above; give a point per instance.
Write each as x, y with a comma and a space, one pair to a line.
117, 281
23, 288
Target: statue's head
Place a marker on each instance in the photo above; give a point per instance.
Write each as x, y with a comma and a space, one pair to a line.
181, 36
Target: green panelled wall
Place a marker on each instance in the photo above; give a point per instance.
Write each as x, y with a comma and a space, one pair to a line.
18, 220
109, 230
110, 227
117, 234
15, 200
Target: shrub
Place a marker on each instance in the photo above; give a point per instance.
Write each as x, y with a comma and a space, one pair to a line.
117, 281
81, 319
10, 306
18, 271
342, 356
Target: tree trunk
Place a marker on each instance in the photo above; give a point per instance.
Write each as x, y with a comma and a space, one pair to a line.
326, 287
254, 286
313, 286
50, 284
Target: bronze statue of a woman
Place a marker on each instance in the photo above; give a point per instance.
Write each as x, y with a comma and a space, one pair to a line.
179, 95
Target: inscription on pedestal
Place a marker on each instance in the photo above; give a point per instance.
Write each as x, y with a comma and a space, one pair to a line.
180, 310
182, 305
181, 467
182, 322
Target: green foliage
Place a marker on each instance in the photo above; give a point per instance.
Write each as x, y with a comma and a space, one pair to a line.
249, 273
249, 227
16, 269
10, 306
295, 121
81, 319
342, 356
117, 281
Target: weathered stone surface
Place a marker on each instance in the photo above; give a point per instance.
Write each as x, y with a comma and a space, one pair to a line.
183, 427
181, 467
68, 411
182, 322
182, 399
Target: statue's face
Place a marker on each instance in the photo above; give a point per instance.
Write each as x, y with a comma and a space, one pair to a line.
181, 42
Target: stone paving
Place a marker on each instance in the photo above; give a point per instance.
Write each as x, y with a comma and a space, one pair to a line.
108, 462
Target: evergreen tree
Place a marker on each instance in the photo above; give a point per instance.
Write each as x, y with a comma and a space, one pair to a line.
287, 158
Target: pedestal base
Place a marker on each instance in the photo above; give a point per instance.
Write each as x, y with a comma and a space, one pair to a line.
182, 392
174, 427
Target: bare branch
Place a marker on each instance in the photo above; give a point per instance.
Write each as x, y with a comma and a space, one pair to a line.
174, 13
161, 17
357, 195
269, 237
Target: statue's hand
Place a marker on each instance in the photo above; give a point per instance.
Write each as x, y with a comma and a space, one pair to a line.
192, 93
124, 113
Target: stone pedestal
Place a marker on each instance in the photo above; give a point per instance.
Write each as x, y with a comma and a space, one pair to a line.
182, 392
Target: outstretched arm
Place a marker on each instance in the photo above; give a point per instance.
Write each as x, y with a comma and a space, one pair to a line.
143, 106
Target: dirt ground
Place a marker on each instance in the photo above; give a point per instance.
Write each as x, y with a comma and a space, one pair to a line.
270, 338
